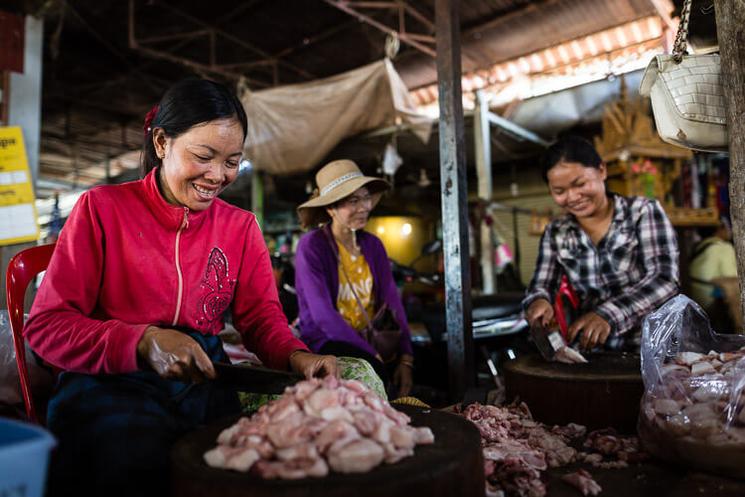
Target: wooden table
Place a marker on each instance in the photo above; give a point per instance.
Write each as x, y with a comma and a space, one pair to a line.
651, 479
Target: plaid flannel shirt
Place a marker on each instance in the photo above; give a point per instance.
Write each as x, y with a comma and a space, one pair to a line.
632, 270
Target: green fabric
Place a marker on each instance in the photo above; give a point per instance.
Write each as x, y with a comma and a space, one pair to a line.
350, 368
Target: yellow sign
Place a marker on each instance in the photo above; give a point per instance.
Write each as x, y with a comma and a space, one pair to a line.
18, 220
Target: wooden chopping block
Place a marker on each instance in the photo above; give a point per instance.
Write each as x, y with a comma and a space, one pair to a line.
603, 393
453, 465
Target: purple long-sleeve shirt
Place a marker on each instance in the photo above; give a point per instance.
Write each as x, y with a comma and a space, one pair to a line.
317, 285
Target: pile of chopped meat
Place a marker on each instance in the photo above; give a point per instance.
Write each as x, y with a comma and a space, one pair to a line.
518, 449
607, 449
698, 403
693, 399
317, 426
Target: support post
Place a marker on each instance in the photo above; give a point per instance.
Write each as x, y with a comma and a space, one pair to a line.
730, 18
4, 97
454, 200
482, 142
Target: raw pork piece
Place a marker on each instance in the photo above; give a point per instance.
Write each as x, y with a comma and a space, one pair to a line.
359, 456
568, 355
582, 481
315, 426
517, 449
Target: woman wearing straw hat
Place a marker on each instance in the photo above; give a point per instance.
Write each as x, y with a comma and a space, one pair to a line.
343, 275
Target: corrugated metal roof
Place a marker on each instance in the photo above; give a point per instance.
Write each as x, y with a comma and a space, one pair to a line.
597, 52
532, 27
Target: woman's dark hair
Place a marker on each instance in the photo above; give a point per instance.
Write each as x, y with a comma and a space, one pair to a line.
570, 149
187, 103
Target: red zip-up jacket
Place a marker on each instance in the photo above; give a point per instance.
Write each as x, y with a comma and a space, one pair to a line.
126, 259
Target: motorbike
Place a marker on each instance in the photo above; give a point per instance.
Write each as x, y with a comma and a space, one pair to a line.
500, 331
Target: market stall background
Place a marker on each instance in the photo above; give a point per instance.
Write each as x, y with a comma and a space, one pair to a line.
546, 66
105, 63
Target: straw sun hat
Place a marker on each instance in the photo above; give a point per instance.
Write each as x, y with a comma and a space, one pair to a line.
336, 181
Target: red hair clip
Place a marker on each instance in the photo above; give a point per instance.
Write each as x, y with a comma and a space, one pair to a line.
149, 118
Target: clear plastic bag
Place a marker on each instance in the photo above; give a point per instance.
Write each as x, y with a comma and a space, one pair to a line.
10, 387
10, 384
692, 409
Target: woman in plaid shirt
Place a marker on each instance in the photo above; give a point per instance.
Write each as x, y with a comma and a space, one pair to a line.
619, 253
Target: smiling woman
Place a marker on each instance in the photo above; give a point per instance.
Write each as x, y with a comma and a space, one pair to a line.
201, 163
196, 134
158, 262
620, 254
343, 276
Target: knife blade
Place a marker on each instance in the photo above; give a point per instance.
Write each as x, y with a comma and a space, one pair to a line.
255, 379
547, 341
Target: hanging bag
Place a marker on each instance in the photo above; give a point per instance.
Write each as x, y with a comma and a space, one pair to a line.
687, 95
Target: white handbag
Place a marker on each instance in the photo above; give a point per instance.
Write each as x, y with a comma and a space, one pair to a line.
687, 95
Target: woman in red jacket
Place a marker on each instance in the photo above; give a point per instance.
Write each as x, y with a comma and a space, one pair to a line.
135, 294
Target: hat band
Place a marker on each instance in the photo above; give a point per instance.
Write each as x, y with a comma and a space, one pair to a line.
338, 181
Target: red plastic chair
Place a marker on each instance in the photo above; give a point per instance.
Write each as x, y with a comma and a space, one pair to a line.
22, 268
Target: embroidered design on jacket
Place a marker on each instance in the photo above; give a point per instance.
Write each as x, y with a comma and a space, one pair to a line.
218, 285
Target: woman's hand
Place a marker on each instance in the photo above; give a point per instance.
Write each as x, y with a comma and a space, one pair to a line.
174, 355
595, 330
313, 365
403, 375
540, 312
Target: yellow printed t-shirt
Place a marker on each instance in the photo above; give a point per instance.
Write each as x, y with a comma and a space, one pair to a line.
361, 277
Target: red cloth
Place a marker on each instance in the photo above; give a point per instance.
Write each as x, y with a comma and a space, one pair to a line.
114, 272
566, 294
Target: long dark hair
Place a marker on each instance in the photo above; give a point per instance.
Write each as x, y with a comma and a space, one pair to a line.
187, 103
570, 149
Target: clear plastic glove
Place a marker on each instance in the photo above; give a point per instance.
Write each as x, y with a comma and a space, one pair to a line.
540, 312
595, 330
313, 365
174, 355
403, 375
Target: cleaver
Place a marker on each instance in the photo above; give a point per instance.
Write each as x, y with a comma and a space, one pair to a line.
255, 379
548, 341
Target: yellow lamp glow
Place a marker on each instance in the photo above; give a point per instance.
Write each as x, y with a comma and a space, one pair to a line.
402, 236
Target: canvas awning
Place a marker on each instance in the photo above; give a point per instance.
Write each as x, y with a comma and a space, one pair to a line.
292, 128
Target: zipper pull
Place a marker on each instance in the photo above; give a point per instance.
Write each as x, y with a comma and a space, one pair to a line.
185, 222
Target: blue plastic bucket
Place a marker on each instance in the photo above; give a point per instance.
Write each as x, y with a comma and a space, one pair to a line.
24, 457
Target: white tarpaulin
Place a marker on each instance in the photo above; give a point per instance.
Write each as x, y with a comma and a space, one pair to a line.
292, 128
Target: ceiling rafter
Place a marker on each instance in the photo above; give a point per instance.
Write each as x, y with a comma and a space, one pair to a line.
240, 9
315, 38
424, 42
212, 33
509, 16
101, 39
